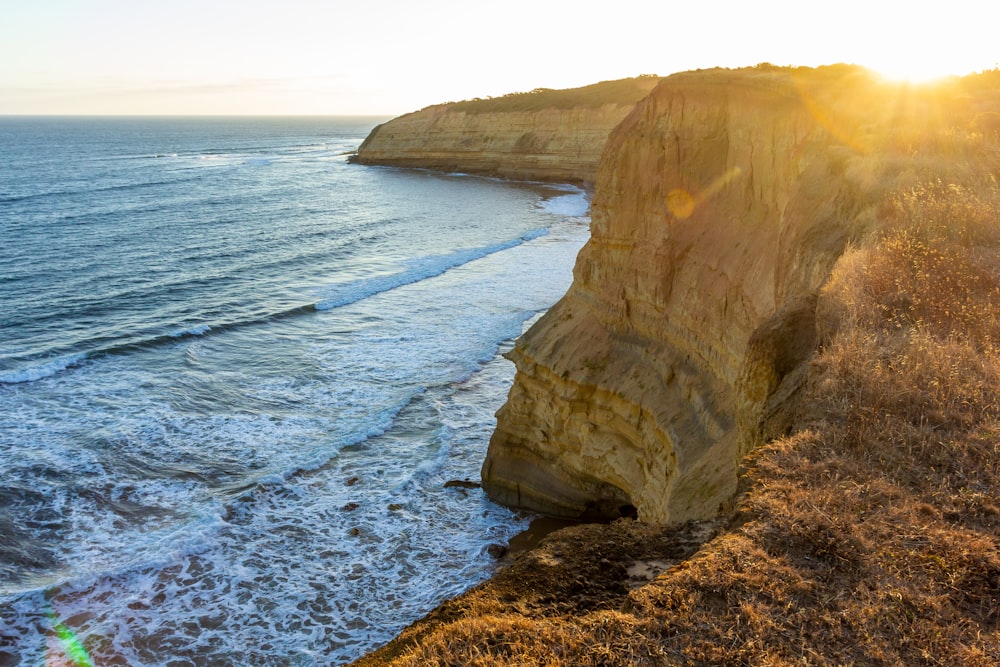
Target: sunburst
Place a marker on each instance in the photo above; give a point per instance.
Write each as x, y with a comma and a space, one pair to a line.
917, 70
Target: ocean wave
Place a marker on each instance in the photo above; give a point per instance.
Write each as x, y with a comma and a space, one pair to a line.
177, 512
225, 152
420, 269
574, 205
199, 330
89, 191
47, 368
51, 365
252, 149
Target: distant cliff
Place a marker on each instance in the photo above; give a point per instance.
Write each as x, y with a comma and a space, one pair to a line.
548, 135
722, 203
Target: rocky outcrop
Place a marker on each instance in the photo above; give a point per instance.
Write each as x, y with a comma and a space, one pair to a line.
546, 135
722, 202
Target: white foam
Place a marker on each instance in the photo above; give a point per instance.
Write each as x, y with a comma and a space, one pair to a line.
419, 269
199, 330
44, 370
291, 574
574, 205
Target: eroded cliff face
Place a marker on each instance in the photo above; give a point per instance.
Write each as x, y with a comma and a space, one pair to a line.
561, 142
721, 204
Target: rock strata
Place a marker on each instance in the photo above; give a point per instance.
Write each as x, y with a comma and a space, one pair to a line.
721, 204
545, 135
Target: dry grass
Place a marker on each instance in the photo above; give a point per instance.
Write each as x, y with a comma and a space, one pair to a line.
932, 268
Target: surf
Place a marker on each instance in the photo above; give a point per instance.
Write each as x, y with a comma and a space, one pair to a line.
228, 418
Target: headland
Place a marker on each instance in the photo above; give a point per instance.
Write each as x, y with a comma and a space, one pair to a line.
780, 352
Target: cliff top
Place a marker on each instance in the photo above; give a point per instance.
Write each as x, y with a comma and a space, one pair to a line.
621, 91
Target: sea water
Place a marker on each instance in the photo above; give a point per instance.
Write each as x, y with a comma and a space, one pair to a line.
236, 372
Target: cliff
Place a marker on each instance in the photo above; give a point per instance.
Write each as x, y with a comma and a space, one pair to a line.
722, 202
544, 135
794, 276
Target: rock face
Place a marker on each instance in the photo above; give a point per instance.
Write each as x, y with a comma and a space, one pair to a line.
721, 204
545, 135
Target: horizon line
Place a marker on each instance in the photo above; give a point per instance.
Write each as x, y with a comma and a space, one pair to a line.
198, 115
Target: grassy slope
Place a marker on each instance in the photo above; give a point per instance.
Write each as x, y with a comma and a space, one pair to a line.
870, 535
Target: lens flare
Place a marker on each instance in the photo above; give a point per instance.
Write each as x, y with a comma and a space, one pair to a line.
682, 203
73, 650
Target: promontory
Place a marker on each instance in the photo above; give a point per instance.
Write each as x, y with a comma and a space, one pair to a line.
780, 353
541, 135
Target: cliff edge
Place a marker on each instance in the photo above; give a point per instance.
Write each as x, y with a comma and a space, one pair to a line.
722, 203
543, 135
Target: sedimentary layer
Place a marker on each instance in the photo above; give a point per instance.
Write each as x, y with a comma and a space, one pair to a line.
546, 135
721, 204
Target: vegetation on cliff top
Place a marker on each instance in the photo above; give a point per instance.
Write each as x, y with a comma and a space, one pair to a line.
870, 533
622, 91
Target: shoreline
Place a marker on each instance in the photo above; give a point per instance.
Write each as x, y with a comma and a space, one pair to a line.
561, 571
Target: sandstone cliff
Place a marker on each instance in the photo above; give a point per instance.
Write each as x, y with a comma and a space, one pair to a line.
722, 202
548, 135
869, 532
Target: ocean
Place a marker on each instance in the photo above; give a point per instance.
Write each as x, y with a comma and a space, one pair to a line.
236, 373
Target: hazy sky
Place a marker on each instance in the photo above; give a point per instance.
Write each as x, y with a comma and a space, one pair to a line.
389, 57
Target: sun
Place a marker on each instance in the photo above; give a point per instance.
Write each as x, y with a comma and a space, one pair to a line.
917, 70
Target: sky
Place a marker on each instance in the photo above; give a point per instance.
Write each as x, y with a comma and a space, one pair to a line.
365, 57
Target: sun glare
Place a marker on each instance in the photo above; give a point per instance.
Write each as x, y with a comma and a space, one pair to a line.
916, 71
